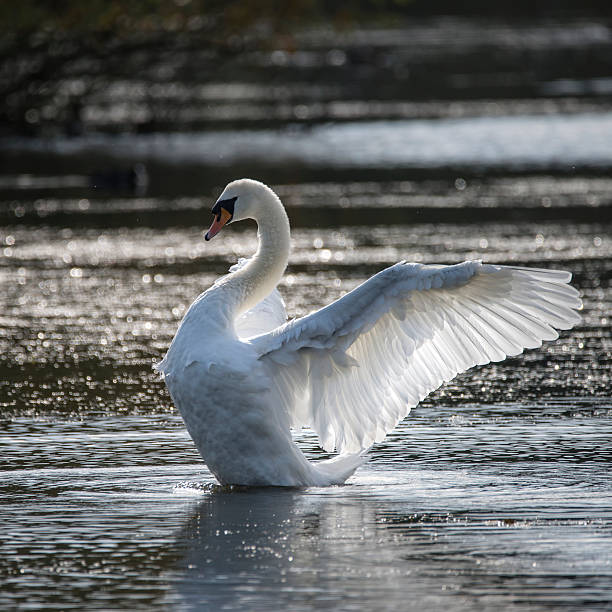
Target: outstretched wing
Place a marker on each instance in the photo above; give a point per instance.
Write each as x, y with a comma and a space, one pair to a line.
353, 369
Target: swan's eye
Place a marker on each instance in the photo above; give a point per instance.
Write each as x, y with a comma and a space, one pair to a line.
227, 204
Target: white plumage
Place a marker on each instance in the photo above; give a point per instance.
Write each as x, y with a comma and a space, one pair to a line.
242, 376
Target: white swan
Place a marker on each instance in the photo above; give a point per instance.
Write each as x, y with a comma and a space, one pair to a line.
241, 376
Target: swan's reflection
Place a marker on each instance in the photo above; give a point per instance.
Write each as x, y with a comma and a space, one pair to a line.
272, 547
351, 548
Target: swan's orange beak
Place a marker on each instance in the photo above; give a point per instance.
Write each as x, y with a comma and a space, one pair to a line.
219, 221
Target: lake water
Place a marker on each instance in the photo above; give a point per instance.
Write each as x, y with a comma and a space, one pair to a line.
494, 493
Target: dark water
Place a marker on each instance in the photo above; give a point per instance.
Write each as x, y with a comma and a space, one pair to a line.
495, 493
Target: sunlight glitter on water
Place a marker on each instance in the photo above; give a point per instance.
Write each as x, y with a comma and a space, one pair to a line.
123, 306
548, 142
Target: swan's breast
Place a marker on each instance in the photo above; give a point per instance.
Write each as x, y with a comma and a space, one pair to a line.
241, 433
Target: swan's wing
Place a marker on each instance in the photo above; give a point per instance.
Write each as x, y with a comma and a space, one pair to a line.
353, 369
269, 314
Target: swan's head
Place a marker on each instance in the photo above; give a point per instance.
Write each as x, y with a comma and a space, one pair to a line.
241, 199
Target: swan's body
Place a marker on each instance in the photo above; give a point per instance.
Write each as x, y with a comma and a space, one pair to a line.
242, 376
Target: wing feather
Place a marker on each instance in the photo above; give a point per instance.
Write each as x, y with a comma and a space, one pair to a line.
353, 369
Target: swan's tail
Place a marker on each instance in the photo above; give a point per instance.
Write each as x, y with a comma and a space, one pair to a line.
336, 470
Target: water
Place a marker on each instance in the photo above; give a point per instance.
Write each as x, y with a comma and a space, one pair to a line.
493, 494
517, 142
457, 509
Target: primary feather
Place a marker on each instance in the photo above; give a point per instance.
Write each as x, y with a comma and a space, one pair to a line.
355, 368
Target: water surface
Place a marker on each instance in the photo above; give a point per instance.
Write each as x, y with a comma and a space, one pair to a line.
494, 493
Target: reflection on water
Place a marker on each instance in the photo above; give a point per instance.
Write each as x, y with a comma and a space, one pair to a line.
504, 507
371, 545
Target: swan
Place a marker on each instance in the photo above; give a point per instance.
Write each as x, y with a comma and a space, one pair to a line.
242, 376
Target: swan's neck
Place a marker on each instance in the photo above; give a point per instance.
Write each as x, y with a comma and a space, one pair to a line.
258, 278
